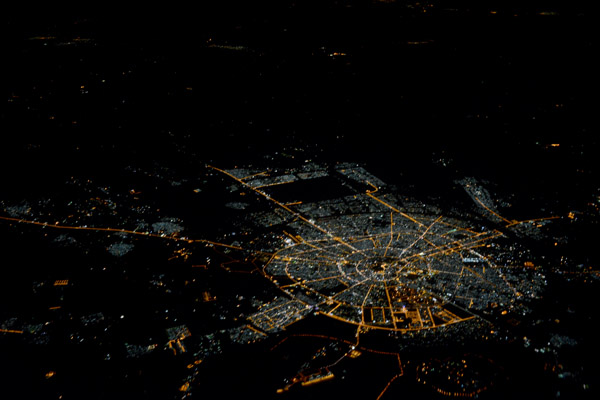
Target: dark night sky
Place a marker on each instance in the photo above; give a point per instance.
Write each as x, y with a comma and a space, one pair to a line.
481, 86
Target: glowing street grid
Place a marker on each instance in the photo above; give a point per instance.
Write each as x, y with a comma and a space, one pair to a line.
367, 260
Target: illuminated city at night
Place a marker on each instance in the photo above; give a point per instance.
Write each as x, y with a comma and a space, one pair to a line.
300, 200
